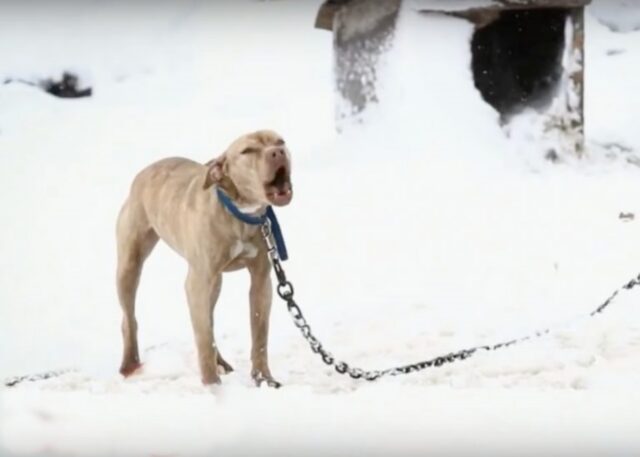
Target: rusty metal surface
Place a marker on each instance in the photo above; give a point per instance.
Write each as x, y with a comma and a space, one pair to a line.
326, 13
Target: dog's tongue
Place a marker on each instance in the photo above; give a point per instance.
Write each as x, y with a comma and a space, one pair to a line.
280, 192
281, 195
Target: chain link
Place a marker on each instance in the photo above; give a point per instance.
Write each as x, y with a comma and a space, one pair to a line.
285, 291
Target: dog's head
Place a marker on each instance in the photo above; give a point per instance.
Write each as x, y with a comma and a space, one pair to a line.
255, 170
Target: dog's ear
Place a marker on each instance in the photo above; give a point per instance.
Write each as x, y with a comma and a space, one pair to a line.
215, 171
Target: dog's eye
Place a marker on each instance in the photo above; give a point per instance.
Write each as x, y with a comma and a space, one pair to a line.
280, 142
249, 151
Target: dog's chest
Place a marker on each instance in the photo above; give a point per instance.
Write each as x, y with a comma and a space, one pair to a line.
245, 244
243, 249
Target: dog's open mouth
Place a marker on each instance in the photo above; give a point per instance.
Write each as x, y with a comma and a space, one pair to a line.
278, 190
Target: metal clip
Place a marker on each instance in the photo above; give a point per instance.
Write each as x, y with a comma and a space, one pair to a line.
267, 234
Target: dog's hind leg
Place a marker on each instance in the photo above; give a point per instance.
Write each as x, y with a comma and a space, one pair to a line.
223, 365
136, 239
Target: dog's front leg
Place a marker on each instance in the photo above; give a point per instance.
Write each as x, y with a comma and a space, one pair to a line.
260, 296
203, 290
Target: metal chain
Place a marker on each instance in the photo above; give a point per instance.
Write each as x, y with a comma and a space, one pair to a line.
14, 381
285, 291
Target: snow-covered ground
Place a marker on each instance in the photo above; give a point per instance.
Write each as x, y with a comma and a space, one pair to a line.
420, 231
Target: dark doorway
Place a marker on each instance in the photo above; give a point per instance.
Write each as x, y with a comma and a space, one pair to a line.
517, 59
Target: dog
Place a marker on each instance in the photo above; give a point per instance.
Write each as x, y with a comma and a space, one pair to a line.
174, 200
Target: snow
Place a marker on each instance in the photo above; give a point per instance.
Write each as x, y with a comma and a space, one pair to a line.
418, 231
444, 5
618, 15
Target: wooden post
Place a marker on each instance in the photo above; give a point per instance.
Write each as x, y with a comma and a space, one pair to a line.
362, 31
577, 77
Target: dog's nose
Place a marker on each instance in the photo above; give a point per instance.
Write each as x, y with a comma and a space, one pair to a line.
277, 152
277, 157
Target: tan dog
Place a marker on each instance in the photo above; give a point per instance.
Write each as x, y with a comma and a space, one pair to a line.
173, 200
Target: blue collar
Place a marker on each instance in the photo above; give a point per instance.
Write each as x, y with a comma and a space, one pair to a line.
256, 220
235, 211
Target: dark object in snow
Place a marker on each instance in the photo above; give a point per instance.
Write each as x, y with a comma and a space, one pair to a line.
626, 217
615, 52
67, 87
517, 52
552, 156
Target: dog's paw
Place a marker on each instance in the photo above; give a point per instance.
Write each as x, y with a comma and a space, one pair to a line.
273, 383
129, 369
261, 379
210, 379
